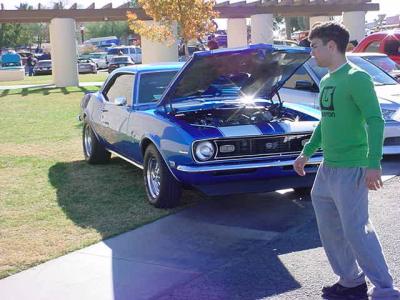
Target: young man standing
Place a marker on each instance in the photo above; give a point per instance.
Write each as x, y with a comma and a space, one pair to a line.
351, 167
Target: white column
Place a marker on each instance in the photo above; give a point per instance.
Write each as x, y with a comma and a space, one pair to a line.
63, 52
354, 21
262, 29
237, 33
321, 19
153, 52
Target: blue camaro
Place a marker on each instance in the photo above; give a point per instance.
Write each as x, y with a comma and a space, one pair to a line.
209, 124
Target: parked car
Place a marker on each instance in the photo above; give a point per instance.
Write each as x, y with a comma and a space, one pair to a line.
302, 88
382, 61
11, 60
100, 58
119, 61
211, 125
42, 67
134, 52
86, 66
387, 42
286, 43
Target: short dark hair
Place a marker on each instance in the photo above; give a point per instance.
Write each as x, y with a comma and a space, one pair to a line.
331, 31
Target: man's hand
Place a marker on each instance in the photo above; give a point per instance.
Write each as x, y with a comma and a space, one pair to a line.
373, 179
299, 164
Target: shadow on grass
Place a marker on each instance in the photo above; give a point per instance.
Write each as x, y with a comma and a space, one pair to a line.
109, 198
64, 91
4, 93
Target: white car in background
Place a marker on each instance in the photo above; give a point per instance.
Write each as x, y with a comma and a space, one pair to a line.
134, 52
302, 88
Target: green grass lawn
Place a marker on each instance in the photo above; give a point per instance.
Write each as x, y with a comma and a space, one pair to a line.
51, 201
48, 79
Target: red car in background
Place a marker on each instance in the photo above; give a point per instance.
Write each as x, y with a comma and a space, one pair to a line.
387, 42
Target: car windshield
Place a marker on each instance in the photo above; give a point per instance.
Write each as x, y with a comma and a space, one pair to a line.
97, 55
153, 85
123, 59
115, 51
384, 63
378, 76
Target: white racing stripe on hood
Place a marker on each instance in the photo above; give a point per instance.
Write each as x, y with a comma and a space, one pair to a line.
303, 126
243, 130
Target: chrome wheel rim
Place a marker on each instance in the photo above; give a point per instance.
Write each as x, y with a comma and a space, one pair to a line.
88, 141
153, 177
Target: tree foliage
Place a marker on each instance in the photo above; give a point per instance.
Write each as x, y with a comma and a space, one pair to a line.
119, 29
194, 19
13, 35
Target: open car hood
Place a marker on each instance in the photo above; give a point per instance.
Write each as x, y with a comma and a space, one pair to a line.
256, 71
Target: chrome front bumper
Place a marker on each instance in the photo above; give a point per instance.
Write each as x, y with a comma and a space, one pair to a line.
244, 166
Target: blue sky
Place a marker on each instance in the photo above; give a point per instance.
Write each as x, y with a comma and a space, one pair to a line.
388, 7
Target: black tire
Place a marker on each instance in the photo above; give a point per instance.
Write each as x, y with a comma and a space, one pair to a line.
169, 190
94, 152
303, 192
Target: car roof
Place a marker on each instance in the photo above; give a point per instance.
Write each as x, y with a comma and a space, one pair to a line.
152, 67
366, 54
384, 33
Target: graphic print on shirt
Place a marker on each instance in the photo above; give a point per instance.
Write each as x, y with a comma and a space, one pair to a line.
326, 101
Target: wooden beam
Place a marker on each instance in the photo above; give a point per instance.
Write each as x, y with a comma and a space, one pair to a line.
226, 11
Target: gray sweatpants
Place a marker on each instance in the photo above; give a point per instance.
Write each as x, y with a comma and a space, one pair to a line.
340, 200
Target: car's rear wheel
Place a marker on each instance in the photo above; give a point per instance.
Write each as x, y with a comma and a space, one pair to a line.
94, 152
163, 191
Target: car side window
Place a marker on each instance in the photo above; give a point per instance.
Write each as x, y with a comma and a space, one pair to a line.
153, 85
373, 47
138, 51
392, 47
300, 75
121, 86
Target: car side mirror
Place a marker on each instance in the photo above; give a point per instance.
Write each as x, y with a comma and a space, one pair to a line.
306, 86
120, 101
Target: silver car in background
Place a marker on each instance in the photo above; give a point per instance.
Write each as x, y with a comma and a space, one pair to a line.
302, 88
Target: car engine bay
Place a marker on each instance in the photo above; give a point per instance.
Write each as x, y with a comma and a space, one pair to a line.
244, 115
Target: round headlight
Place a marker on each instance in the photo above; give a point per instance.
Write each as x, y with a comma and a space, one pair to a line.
204, 151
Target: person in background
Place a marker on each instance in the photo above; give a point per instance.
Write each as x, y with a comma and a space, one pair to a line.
304, 42
212, 44
30, 62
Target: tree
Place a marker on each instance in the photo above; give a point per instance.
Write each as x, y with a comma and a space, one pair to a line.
13, 35
98, 29
194, 19
296, 23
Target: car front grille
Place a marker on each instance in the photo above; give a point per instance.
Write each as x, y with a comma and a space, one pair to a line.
392, 141
261, 146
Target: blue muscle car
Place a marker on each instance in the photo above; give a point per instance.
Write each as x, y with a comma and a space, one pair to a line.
210, 124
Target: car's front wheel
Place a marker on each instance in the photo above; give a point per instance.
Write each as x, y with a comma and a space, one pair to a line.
163, 191
94, 152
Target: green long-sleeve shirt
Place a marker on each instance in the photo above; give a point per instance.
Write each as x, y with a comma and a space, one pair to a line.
350, 131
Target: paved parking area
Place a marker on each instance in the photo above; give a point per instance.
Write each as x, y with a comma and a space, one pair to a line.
253, 246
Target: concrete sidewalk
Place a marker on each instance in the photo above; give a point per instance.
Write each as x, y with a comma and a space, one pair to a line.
245, 247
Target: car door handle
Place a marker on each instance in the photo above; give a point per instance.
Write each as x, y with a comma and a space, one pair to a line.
106, 123
104, 110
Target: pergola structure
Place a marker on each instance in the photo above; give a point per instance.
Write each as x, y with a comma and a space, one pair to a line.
62, 25
226, 9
